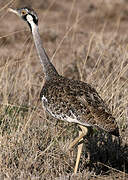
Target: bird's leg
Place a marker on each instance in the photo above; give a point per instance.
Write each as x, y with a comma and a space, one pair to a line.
78, 139
79, 151
81, 135
80, 146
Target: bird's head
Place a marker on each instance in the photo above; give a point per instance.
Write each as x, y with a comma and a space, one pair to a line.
27, 14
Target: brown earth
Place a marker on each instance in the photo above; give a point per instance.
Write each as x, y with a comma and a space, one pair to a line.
86, 40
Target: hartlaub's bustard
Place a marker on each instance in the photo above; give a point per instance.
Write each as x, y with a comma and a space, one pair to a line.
65, 99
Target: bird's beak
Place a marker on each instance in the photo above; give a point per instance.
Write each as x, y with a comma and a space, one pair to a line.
13, 11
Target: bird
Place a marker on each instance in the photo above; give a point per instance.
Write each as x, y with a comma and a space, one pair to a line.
66, 99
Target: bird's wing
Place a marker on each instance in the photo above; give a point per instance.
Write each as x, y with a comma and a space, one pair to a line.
101, 114
77, 102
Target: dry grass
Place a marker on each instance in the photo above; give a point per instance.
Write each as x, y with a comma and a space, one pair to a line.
82, 46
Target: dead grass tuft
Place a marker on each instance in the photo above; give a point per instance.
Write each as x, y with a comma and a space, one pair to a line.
33, 145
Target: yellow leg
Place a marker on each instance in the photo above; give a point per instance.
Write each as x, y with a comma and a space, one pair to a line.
79, 151
73, 143
81, 135
78, 139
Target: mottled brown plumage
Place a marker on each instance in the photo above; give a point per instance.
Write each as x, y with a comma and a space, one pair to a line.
64, 98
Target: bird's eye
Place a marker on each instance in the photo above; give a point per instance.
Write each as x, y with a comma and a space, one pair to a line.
23, 12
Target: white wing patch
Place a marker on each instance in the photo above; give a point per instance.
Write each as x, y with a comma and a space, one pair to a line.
62, 116
74, 119
44, 99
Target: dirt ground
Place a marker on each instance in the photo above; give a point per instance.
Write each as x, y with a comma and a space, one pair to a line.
85, 40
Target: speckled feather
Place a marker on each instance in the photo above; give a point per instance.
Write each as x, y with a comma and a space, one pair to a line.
76, 101
65, 99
